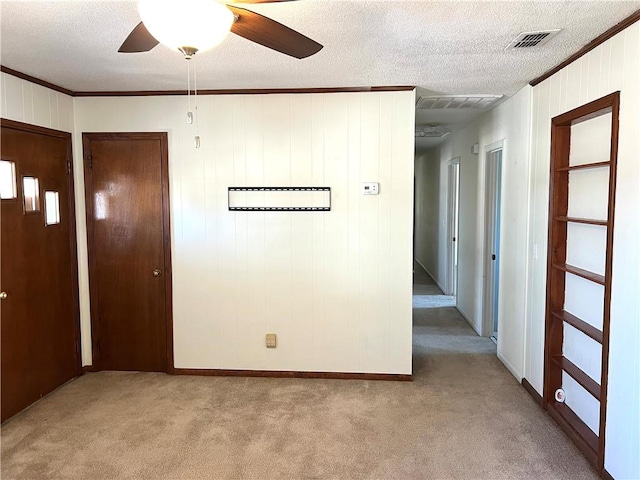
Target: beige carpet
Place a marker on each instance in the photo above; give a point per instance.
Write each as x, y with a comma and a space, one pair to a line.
464, 416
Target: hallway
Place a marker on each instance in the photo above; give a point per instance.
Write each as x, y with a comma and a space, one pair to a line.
443, 341
484, 421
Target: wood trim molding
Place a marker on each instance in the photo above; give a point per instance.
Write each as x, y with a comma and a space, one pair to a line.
606, 475
35, 80
73, 248
251, 91
627, 22
246, 91
27, 127
577, 438
532, 391
293, 374
168, 267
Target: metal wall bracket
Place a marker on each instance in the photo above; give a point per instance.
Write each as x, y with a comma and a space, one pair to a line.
324, 208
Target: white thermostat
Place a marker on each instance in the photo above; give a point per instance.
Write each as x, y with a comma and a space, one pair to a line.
370, 188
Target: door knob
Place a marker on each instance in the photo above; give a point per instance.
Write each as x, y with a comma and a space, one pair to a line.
157, 272
3, 295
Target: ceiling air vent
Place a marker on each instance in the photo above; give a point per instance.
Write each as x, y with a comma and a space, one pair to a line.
432, 131
456, 101
532, 39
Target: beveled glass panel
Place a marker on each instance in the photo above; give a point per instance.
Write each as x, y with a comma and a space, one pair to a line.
31, 194
51, 208
8, 188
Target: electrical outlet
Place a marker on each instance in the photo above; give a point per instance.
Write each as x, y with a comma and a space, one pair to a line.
271, 340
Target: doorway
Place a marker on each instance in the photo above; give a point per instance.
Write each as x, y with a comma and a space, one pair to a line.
493, 177
39, 273
129, 247
453, 203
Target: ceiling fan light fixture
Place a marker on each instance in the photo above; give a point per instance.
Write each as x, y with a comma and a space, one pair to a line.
192, 25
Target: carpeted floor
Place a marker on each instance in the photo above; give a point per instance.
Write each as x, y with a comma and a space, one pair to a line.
464, 416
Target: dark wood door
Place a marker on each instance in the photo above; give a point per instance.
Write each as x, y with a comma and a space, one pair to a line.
39, 308
127, 191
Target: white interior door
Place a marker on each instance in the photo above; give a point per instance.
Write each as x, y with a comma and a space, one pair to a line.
452, 222
492, 240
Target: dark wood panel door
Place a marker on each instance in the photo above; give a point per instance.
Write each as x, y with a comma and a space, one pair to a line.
39, 305
129, 246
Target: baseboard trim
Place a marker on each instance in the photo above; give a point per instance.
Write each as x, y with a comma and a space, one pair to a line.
510, 367
606, 475
293, 374
532, 391
464, 315
430, 275
93, 369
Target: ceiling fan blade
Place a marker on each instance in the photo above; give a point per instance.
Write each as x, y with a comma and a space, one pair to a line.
139, 40
271, 34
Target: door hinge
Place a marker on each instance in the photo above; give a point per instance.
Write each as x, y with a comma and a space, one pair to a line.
493, 257
89, 160
68, 167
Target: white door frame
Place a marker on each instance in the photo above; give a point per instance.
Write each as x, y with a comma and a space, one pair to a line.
453, 210
492, 217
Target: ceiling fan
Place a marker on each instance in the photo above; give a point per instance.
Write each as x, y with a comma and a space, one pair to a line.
196, 25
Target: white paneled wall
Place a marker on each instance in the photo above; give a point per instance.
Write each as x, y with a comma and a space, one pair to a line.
590, 140
613, 66
27, 102
334, 286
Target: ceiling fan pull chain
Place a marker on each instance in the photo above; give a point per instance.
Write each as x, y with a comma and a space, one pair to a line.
189, 112
196, 140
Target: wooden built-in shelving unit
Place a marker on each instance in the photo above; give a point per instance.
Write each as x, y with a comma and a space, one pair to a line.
587, 221
569, 168
586, 328
580, 272
556, 363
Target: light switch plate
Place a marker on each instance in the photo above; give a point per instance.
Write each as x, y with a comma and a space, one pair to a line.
370, 188
271, 340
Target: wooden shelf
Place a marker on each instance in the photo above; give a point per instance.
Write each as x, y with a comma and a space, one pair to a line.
579, 432
584, 327
594, 277
587, 221
583, 166
588, 383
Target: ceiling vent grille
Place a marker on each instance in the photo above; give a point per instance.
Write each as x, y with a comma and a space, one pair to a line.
456, 102
432, 131
532, 39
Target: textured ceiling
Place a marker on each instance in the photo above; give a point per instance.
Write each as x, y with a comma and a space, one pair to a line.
452, 47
